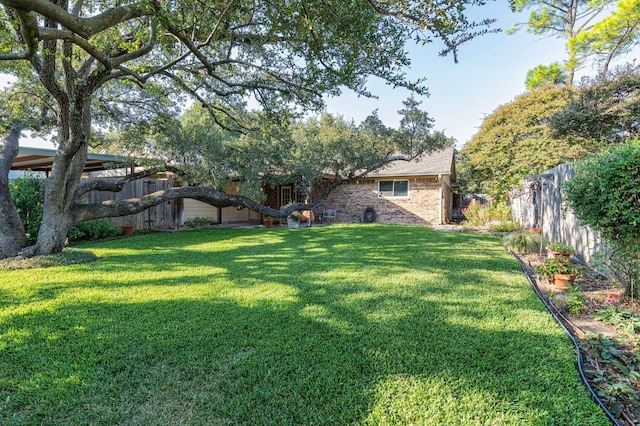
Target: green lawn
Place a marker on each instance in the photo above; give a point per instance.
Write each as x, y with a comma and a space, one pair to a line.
333, 325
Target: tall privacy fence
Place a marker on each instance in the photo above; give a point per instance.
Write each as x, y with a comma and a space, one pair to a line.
162, 216
538, 204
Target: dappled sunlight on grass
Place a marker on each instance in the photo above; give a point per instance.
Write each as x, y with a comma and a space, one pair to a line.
333, 325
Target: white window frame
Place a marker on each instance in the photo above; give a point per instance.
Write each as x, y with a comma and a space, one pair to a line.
380, 192
289, 195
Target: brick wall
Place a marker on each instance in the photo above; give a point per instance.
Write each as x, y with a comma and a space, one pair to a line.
421, 207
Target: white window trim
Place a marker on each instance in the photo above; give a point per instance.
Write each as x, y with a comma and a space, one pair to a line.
395, 196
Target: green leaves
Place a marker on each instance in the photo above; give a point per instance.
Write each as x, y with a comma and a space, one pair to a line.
515, 140
543, 75
27, 195
604, 193
605, 109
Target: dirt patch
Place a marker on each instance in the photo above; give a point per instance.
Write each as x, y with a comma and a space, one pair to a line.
609, 353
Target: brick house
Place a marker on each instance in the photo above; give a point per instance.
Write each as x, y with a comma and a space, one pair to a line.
419, 192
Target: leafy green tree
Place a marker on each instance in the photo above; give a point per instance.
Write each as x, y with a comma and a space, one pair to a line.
305, 152
545, 75
515, 140
562, 19
416, 129
613, 36
591, 28
604, 194
604, 109
132, 64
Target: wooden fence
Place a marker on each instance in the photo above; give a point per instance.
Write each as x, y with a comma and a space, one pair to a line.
539, 201
163, 216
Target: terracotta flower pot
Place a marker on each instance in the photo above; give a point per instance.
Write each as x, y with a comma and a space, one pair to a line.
268, 223
555, 254
127, 229
562, 281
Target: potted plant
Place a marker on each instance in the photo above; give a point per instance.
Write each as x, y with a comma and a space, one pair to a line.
293, 220
559, 271
268, 222
556, 249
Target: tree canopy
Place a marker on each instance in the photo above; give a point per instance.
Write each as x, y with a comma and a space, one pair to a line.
516, 140
132, 65
592, 29
604, 109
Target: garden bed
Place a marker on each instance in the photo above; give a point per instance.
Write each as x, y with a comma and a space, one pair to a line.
601, 323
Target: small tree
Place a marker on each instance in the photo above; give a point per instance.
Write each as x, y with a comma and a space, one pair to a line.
604, 194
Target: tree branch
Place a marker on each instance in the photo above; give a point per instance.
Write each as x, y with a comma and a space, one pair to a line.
28, 34
84, 27
143, 50
113, 186
211, 108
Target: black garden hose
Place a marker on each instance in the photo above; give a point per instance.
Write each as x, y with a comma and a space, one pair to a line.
583, 377
369, 215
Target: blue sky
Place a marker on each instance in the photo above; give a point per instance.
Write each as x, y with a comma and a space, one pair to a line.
491, 72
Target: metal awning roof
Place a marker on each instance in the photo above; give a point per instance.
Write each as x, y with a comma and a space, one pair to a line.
41, 160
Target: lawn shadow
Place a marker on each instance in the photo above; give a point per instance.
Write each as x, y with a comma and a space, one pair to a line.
318, 327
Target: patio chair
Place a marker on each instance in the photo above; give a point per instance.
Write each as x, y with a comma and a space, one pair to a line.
329, 214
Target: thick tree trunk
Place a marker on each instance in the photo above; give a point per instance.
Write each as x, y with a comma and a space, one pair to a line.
60, 211
12, 235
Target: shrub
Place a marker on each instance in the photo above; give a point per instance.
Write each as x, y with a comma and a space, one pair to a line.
523, 242
477, 214
94, 230
506, 227
200, 221
27, 194
604, 194
557, 247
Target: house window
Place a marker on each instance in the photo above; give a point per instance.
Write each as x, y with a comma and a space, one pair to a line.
393, 188
289, 195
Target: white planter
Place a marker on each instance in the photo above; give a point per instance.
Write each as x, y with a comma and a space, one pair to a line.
292, 223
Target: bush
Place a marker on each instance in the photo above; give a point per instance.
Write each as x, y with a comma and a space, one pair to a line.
477, 214
506, 227
558, 247
604, 195
94, 230
27, 193
200, 221
523, 242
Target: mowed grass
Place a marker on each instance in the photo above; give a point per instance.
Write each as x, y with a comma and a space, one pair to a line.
367, 324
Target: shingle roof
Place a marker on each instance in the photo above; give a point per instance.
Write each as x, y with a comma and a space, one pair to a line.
436, 163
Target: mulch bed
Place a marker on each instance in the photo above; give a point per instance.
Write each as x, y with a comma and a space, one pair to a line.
596, 293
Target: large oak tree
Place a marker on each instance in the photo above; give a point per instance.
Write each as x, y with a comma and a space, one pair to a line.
122, 63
